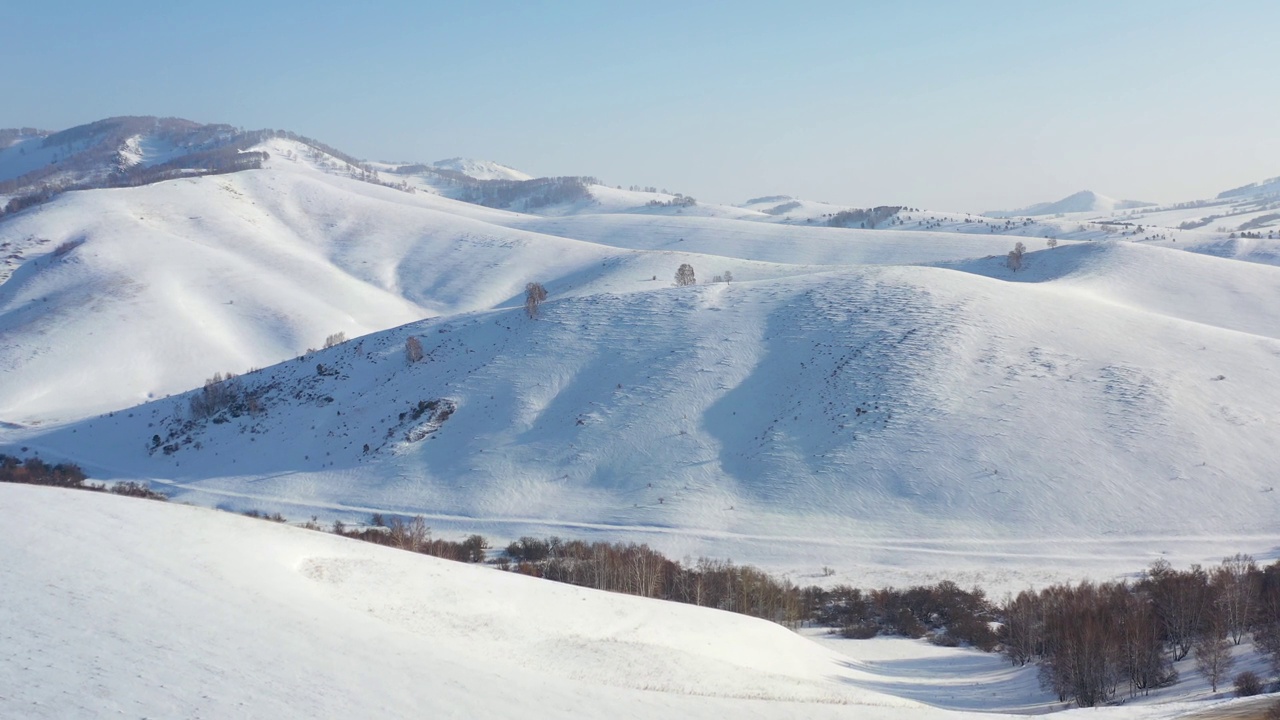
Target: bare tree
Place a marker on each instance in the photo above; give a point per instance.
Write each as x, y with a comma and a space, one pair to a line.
1213, 657
413, 536
728, 276
684, 276
534, 294
1235, 582
1014, 261
1051, 242
412, 349
1180, 600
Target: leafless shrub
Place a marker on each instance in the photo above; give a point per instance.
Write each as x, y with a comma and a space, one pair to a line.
1247, 684
534, 294
411, 536
412, 349
1213, 657
66, 247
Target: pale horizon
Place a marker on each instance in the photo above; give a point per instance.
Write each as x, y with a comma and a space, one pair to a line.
991, 106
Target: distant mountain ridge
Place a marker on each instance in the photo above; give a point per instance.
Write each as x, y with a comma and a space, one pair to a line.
1083, 201
481, 169
1270, 186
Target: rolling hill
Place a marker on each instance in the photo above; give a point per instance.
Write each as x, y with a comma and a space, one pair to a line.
891, 401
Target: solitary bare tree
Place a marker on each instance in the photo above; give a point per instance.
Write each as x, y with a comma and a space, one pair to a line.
534, 294
1015, 257
684, 276
1213, 657
413, 536
413, 349
1234, 582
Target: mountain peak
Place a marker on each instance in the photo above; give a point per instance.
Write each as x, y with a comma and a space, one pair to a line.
481, 169
1083, 201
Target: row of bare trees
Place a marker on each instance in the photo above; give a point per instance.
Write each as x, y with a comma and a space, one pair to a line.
1091, 640
944, 613
34, 471
640, 570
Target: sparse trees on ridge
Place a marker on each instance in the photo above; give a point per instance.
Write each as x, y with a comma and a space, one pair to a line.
335, 339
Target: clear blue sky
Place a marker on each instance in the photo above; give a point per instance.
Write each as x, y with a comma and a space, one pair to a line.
949, 104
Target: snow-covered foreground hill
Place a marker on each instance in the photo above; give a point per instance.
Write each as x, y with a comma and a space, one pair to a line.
146, 609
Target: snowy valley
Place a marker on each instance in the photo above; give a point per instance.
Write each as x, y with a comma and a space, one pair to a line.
864, 396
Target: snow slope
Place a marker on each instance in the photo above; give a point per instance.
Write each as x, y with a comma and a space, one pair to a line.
884, 401
159, 610
481, 169
863, 417
172, 282
298, 624
1085, 201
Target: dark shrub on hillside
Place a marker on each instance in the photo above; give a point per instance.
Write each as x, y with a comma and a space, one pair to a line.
34, 471
1247, 684
136, 489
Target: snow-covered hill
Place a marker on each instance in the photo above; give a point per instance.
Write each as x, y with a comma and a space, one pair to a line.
1085, 201
147, 609
481, 169
105, 151
856, 409
884, 393
1270, 186
153, 610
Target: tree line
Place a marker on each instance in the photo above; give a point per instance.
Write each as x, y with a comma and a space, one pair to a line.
34, 471
864, 218
1093, 641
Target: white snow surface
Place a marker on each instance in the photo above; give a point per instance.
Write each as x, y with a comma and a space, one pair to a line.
1085, 201
146, 609
894, 403
481, 169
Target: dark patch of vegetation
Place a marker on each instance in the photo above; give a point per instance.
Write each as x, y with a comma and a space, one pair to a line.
680, 201
864, 218
1091, 640
527, 194
222, 394
273, 517
944, 613
1248, 684
414, 535
34, 471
